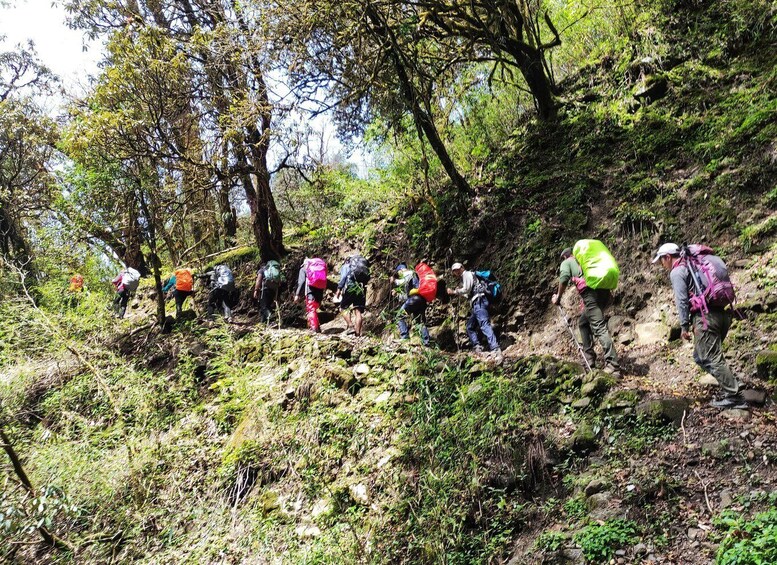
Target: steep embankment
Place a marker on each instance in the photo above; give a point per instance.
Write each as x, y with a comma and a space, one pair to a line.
229, 444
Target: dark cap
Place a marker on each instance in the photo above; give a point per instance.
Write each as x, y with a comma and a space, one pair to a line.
566, 253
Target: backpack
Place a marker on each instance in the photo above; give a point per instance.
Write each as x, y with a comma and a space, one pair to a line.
711, 283
183, 280
130, 279
224, 277
486, 283
358, 269
427, 282
315, 272
272, 274
600, 269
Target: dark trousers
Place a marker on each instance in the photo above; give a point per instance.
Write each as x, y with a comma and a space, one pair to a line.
120, 302
480, 320
592, 323
267, 304
180, 297
414, 309
219, 299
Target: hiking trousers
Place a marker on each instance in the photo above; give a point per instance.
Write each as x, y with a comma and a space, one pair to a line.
120, 302
708, 347
180, 297
219, 298
414, 308
593, 324
267, 304
312, 303
480, 320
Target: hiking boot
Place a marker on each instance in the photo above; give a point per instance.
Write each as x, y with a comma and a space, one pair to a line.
730, 401
477, 349
591, 360
612, 370
496, 355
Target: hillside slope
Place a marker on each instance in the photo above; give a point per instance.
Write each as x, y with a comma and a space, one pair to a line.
236, 443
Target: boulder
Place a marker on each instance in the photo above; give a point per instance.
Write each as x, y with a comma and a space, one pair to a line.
665, 409
584, 438
359, 494
654, 88
595, 487
708, 380
651, 333
756, 397
737, 415
766, 366
582, 403
620, 400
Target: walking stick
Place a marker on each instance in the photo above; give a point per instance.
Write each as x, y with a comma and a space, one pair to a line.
574, 338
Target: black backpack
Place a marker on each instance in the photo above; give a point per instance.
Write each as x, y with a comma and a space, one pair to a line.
486, 283
359, 269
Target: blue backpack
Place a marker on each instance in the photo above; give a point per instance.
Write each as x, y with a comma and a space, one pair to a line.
488, 285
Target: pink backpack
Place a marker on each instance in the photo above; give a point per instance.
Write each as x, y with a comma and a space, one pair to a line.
315, 271
711, 282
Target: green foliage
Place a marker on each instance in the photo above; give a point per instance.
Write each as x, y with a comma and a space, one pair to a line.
551, 541
747, 541
600, 541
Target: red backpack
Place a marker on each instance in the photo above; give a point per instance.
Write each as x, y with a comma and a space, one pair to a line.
427, 282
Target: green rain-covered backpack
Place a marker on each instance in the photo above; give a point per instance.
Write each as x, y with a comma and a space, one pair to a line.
599, 266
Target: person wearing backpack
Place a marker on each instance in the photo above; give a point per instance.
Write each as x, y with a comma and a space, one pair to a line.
268, 282
702, 292
406, 283
476, 291
352, 292
181, 284
312, 281
222, 291
592, 322
126, 283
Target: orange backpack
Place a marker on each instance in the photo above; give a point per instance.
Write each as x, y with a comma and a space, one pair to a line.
184, 280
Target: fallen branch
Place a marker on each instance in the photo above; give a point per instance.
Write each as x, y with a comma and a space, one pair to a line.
706, 496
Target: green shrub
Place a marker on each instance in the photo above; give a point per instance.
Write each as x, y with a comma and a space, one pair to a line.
600, 541
748, 542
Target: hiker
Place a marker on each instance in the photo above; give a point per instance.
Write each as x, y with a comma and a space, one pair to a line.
75, 290
76, 284
475, 290
222, 291
126, 283
312, 280
268, 281
352, 292
702, 311
592, 322
406, 283
181, 283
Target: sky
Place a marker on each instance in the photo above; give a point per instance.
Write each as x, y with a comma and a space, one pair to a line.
72, 57
65, 51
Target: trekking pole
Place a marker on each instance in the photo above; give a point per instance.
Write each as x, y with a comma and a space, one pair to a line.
574, 338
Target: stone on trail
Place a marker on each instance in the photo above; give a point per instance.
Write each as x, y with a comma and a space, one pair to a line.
595, 487
651, 333
584, 402
766, 366
737, 414
756, 397
708, 380
667, 409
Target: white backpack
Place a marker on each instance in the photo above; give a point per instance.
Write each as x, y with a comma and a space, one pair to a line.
130, 279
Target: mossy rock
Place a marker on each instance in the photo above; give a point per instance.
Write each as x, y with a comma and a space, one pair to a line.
597, 382
667, 410
766, 366
584, 438
620, 400
235, 257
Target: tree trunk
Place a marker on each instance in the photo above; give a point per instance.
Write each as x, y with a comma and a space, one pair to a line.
423, 120
12, 241
530, 63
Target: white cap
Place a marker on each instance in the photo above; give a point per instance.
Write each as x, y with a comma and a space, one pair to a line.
666, 249
457, 266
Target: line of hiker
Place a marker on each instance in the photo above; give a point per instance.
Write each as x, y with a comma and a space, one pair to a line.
703, 292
